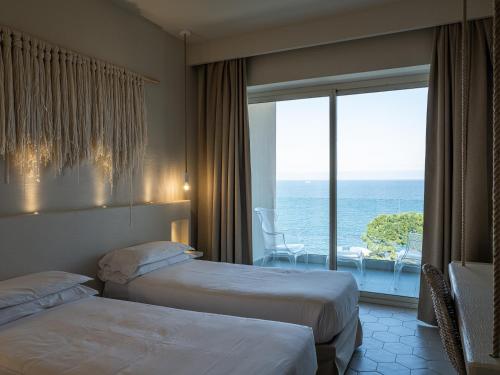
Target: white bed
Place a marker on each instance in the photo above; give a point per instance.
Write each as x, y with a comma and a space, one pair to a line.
324, 300
103, 336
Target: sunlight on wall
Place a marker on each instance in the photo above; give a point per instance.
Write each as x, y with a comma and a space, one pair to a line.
170, 184
31, 195
180, 231
101, 192
147, 181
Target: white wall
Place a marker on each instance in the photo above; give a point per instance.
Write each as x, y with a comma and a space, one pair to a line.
399, 50
381, 19
101, 29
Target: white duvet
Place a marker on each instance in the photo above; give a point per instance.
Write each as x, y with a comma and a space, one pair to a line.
102, 336
323, 300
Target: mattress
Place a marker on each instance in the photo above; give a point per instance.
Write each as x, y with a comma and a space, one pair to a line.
102, 336
323, 300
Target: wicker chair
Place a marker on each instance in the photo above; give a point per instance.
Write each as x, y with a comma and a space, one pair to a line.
446, 317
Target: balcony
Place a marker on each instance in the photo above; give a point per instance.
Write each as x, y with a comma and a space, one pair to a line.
378, 276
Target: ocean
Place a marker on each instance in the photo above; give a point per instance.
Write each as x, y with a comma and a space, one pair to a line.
303, 208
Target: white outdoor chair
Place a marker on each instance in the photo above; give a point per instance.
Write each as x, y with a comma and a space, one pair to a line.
275, 245
411, 256
353, 254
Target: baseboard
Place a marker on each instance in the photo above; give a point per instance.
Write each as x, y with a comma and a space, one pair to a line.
389, 300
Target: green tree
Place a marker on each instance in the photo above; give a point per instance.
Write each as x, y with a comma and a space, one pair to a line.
385, 234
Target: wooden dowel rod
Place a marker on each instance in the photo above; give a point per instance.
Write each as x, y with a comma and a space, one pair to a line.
143, 77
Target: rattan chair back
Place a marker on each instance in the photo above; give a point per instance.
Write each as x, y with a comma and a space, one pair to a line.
446, 316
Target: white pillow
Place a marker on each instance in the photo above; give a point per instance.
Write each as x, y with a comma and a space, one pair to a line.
37, 285
8, 314
119, 278
128, 260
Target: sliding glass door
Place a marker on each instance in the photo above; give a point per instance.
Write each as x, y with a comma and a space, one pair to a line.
338, 183
290, 153
380, 189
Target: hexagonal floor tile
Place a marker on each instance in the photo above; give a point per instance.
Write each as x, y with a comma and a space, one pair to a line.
419, 342
367, 318
386, 336
413, 324
402, 331
364, 309
362, 364
411, 361
371, 343
404, 317
430, 353
398, 348
375, 327
390, 322
392, 369
381, 312
367, 333
380, 355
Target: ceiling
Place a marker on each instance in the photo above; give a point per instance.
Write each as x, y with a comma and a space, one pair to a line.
212, 19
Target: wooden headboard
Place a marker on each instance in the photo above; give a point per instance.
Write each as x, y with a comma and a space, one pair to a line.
73, 241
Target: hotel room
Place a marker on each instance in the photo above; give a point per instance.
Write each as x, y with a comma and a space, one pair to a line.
250, 187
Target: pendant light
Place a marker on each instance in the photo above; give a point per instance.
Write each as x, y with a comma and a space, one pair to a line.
185, 34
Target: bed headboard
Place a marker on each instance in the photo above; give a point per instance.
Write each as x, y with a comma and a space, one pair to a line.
73, 241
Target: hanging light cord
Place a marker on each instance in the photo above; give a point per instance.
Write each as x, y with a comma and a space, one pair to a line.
185, 106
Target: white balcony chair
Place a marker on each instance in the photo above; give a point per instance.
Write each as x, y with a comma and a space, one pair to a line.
275, 245
353, 254
410, 256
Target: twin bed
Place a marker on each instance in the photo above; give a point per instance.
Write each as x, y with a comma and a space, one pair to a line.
191, 317
93, 335
323, 300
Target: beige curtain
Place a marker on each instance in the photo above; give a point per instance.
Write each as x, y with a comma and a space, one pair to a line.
224, 185
442, 211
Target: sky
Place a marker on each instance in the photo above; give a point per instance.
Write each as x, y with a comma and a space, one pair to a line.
379, 136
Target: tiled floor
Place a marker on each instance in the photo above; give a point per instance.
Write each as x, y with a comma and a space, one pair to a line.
396, 343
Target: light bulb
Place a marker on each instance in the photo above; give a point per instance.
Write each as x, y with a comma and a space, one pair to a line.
186, 182
35, 213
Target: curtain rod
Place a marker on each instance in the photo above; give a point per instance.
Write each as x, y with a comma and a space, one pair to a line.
142, 76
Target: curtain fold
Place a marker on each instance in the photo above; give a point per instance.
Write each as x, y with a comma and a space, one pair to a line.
442, 207
224, 183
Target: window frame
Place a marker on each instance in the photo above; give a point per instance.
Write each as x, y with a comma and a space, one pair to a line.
268, 93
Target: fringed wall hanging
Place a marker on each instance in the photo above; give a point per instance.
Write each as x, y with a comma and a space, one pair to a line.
61, 107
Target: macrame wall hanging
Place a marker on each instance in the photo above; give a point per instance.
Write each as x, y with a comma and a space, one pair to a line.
61, 107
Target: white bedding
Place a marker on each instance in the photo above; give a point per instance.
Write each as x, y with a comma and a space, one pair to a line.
323, 300
102, 336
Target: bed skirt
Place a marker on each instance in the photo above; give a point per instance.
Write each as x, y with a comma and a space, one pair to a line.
333, 357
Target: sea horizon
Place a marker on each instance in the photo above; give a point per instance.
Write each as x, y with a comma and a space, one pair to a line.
303, 208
